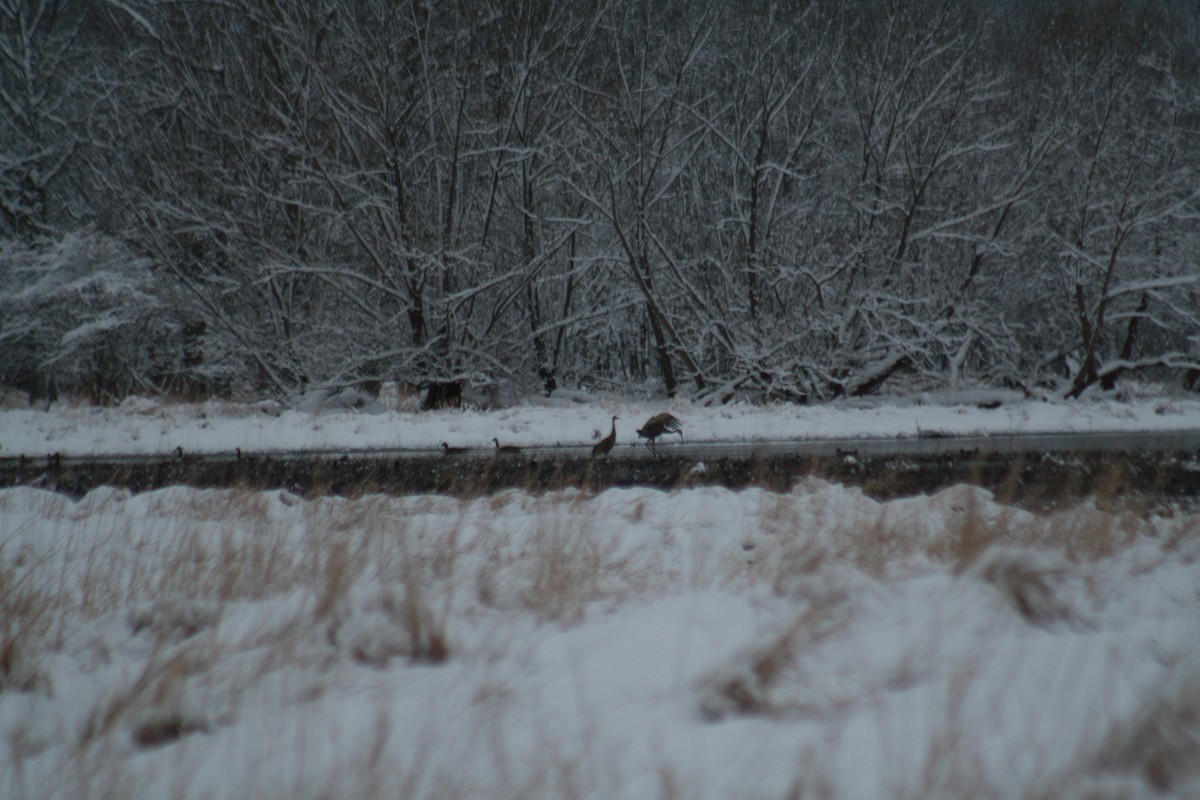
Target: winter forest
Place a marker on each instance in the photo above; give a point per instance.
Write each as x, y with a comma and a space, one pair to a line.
785, 201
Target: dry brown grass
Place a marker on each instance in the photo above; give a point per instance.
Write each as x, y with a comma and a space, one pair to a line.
1028, 558
566, 562
27, 615
417, 568
750, 686
1162, 745
150, 704
565, 567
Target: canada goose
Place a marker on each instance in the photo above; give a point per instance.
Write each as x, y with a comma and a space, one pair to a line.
452, 450
508, 448
605, 445
656, 426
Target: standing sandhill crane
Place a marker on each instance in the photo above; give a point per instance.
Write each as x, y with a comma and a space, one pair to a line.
508, 448
605, 445
451, 451
657, 425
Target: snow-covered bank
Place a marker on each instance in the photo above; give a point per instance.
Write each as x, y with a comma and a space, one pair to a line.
701, 643
143, 426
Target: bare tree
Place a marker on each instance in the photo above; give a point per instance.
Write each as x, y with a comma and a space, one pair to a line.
1128, 222
46, 88
531, 222
792, 199
914, 136
640, 142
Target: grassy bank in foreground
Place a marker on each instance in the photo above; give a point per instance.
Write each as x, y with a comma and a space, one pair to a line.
627, 643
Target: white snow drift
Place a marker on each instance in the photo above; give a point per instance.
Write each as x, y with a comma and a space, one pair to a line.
630, 644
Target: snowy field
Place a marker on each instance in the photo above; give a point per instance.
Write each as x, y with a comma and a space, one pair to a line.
143, 426
632, 643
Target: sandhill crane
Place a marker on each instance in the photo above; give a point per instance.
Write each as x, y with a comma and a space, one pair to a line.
452, 450
605, 445
508, 448
657, 425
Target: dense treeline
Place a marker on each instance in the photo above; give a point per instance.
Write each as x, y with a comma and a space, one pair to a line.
793, 200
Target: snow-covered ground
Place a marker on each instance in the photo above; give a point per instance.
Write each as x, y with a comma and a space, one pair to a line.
142, 426
703, 643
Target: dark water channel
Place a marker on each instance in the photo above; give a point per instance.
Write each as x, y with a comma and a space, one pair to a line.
1155, 470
